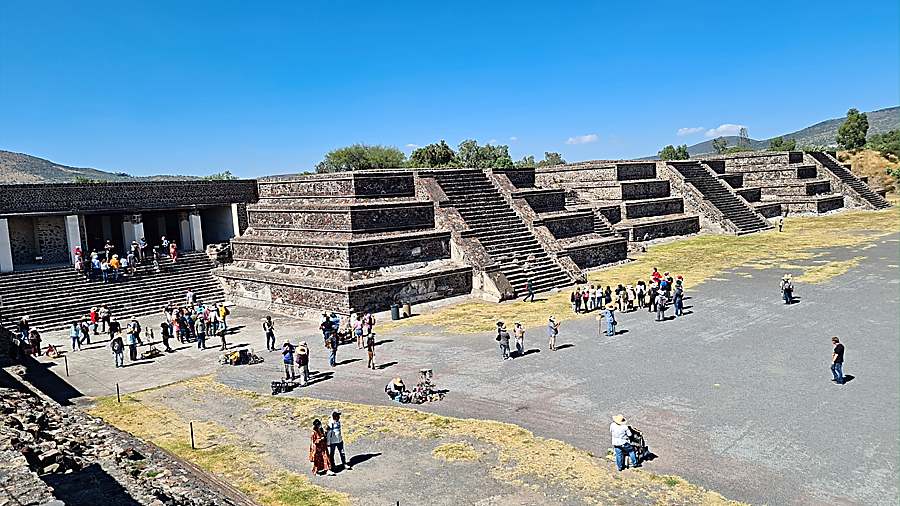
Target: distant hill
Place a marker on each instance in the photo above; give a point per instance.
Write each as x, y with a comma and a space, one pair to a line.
821, 134
22, 168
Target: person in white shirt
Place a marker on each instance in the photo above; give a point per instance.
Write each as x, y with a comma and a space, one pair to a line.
621, 442
336, 441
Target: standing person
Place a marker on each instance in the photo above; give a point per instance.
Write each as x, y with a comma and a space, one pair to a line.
552, 332
574, 299
679, 299
519, 334
85, 332
189, 297
787, 289
585, 299
641, 293
173, 251
368, 323
109, 249
166, 334
333, 346
104, 271
610, 316
370, 349
165, 245
34, 339
24, 327
201, 338
132, 344
302, 358
94, 316
358, 331
529, 286
837, 361
655, 276
269, 329
75, 334
503, 340
104, 314
114, 328
142, 249
118, 350
222, 332
287, 353
621, 441
223, 315
318, 449
652, 294
336, 441
577, 296
661, 302
597, 295
607, 295
781, 223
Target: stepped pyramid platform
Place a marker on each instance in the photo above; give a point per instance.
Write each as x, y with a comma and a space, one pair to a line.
787, 179
854, 188
628, 197
356, 241
55, 297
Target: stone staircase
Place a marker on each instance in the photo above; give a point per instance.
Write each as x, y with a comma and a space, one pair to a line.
501, 232
742, 216
849, 179
55, 297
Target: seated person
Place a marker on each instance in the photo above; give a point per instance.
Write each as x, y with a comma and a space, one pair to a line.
396, 390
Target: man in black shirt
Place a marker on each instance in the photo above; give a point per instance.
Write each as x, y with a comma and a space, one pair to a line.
837, 361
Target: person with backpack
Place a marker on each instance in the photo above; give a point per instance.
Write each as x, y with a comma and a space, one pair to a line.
503, 340
302, 358
529, 286
787, 289
287, 354
269, 330
118, 350
661, 302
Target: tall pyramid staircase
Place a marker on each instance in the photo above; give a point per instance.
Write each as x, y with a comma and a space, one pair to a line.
865, 193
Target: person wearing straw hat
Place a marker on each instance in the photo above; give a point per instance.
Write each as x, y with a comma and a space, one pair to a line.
787, 289
503, 340
302, 358
621, 434
552, 332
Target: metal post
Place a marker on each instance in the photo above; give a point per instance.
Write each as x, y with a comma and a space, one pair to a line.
193, 447
118, 397
66, 361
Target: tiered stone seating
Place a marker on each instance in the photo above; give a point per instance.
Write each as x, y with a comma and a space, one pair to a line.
357, 241
503, 234
743, 218
55, 297
852, 185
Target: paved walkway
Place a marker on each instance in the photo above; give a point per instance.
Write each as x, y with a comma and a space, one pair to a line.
735, 396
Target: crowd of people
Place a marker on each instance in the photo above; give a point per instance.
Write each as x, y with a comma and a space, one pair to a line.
656, 294
109, 265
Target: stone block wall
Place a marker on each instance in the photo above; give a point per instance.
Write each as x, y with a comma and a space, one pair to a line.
22, 240
595, 255
644, 189
385, 184
637, 170
50, 232
520, 178
569, 225
657, 207
356, 217
543, 200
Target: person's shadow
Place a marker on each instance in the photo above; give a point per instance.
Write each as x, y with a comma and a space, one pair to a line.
564, 346
848, 378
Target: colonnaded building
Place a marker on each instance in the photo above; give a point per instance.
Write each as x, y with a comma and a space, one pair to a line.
361, 241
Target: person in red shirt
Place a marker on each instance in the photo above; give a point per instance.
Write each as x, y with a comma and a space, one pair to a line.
95, 319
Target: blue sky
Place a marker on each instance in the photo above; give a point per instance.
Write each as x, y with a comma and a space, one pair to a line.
267, 87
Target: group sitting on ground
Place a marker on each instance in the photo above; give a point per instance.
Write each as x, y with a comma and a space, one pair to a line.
424, 391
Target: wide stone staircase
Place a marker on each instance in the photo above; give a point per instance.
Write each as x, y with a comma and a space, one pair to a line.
849, 179
500, 230
53, 298
714, 190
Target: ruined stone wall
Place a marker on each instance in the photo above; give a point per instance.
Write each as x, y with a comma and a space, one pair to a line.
543, 200
22, 240
76, 198
570, 225
644, 189
653, 208
596, 255
357, 218
633, 171
347, 184
50, 232
520, 178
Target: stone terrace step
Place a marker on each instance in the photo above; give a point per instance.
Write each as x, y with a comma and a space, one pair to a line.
714, 189
850, 179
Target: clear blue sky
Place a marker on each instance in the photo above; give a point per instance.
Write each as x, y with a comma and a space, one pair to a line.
257, 88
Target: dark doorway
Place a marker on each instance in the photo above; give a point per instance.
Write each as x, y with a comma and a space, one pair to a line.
102, 227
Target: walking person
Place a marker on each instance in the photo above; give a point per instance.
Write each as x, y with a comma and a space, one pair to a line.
287, 354
302, 358
621, 441
519, 334
332, 343
529, 286
336, 441
269, 329
358, 332
787, 289
503, 340
118, 350
370, 350
552, 332
318, 449
837, 361
166, 333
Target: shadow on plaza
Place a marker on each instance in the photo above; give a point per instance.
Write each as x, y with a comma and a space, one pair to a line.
564, 346
386, 365
347, 361
318, 377
40, 376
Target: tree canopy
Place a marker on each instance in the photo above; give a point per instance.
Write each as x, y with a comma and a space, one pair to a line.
471, 155
782, 144
225, 175
852, 133
720, 145
527, 162
670, 152
361, 157
551, 158
886, 143
437, 154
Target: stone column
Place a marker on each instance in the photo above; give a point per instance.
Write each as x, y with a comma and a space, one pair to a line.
6, 261
127, 232
196, 230
73, 234
236, 220
184, 229
138, 221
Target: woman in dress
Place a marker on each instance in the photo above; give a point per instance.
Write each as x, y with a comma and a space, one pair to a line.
318, 449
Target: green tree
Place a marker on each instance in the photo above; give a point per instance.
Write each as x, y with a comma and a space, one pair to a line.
221, 176
720, 144
361, 157
887, 143
471, 155
782, 144
671, 152
437, 154
852, 133
527, 162
551, 158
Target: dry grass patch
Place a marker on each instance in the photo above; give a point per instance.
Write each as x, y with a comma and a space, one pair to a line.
697, 258
522, 457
